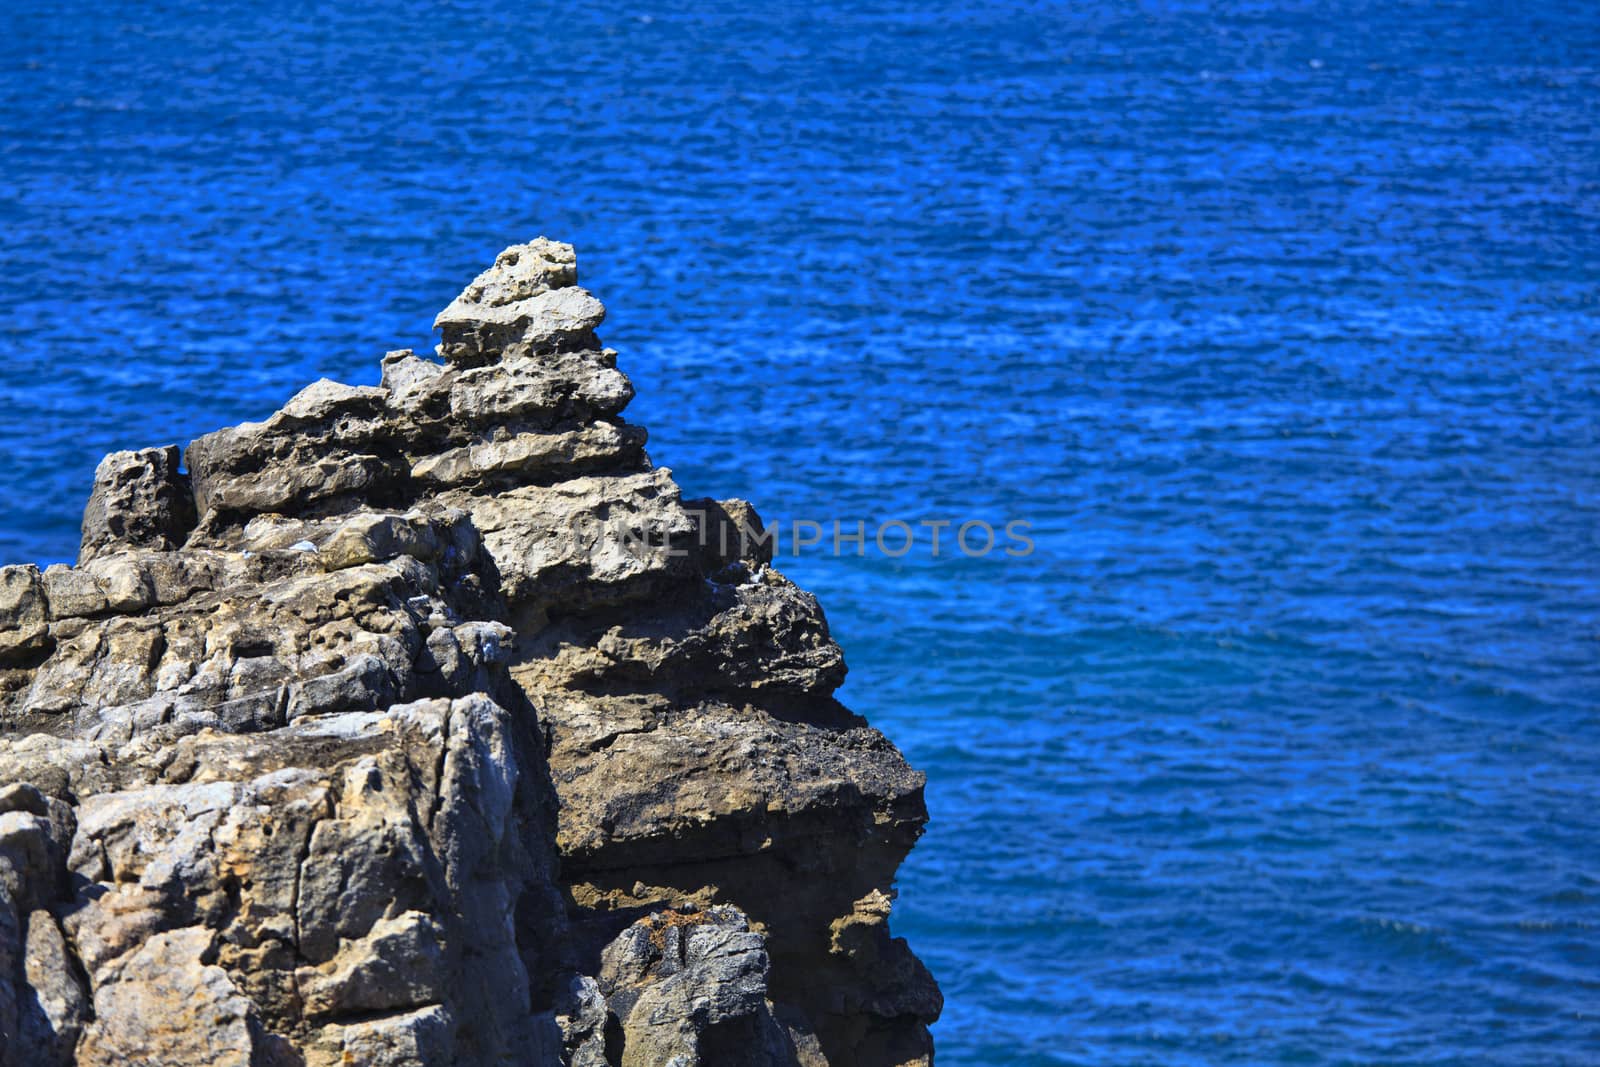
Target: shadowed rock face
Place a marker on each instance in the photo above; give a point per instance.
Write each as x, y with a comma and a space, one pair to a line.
427, 724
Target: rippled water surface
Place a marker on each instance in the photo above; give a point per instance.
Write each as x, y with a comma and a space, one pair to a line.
1277, 321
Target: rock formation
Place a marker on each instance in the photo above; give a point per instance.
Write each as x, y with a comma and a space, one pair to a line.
427, 724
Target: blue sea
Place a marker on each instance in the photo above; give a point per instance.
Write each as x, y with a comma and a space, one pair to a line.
1279, 323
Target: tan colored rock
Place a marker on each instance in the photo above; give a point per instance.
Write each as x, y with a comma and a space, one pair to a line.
371, 538
162, 1004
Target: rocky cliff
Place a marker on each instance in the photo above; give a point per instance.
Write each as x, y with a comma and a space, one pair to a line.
426, 723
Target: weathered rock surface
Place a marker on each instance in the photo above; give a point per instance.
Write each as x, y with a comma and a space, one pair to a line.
427, 724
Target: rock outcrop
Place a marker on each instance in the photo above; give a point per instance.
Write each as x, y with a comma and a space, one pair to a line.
427, 724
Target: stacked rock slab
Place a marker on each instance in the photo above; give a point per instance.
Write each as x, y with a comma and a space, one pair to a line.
427, 724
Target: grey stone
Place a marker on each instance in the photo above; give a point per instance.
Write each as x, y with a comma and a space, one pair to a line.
140, 500
528, 298
690, 988
56, 1008
373, 756
24, 612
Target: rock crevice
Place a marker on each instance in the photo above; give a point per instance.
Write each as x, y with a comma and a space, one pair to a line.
428, 724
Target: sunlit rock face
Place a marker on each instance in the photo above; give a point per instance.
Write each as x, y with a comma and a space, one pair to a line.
427, 723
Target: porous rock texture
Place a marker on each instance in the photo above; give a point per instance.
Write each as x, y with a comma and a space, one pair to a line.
426, 723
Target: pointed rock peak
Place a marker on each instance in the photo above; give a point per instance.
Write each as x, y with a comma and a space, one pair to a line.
325, 397
528, 298
523, 271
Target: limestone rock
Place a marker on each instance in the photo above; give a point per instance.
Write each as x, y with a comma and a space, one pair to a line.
140, 500
53, 1023
690, 988
529, 455
428, 724
404, 1040
162, 1004
324, 446
23, 613
529, 298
